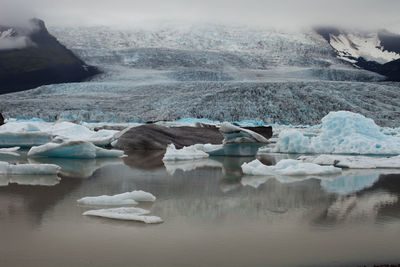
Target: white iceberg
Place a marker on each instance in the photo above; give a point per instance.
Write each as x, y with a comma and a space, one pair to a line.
342, 132
73, 149
28, 169
10, 151
189, 165
235, 134
130, 214
128, 198
288, 167
354, 162
35, 180
186, 153
34, 133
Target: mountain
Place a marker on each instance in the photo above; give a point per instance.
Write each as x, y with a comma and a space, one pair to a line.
31, 57
373, 51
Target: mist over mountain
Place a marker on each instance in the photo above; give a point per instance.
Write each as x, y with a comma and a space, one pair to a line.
31, 56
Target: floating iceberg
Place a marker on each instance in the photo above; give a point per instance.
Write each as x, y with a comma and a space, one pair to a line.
238, 141
34, 133
73, 149
186, 153
10, 151
129, 198
130, 214
189, 165
354, 162
40, 180
288, 167
342, 132
28, 169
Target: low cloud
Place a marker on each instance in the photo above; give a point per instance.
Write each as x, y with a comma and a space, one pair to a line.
14, 43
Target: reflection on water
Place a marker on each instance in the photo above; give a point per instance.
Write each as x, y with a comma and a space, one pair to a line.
213, 216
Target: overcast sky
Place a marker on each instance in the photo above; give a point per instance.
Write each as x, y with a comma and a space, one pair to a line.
268, 13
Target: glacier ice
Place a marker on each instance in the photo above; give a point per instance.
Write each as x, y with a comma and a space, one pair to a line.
10, 151
342, 132
186, 153
34, 180
73, 149
37, 132
128, 198
354, 162
288, 167
28, 169
130, 214
189, 165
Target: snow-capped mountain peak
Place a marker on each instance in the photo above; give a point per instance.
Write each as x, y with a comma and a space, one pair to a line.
350, 46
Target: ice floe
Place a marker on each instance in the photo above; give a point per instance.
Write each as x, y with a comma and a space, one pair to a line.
288, 167
189, 165
28, 169
186, 153
73, 149
130, 214
354, 162
34, 180
10, 151
342, 132
128, 198
37, 132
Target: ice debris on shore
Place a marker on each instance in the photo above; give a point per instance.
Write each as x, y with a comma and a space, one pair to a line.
342, 132
130, 214
128, 198
28, 169
288, 167
354, 162
73, 149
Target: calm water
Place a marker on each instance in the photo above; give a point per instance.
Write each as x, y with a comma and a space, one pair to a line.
214, 216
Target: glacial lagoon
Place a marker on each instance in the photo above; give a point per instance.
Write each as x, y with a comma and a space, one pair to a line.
213, 215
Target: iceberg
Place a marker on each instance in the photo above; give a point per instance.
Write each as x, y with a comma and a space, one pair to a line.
342, 132
128, 198
186, 153
130, 214
73, 149
238, 141
354, 162
35, 180
35, 133
288, 167
10, 151
28, 169
189, 165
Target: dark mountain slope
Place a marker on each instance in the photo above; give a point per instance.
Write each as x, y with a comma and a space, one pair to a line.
45, 61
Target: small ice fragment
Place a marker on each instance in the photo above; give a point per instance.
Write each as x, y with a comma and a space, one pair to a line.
130, 214
128, 198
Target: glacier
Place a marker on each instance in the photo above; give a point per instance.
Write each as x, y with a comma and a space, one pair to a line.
214, 72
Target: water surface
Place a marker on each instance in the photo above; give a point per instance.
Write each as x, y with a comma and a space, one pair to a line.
213, 216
